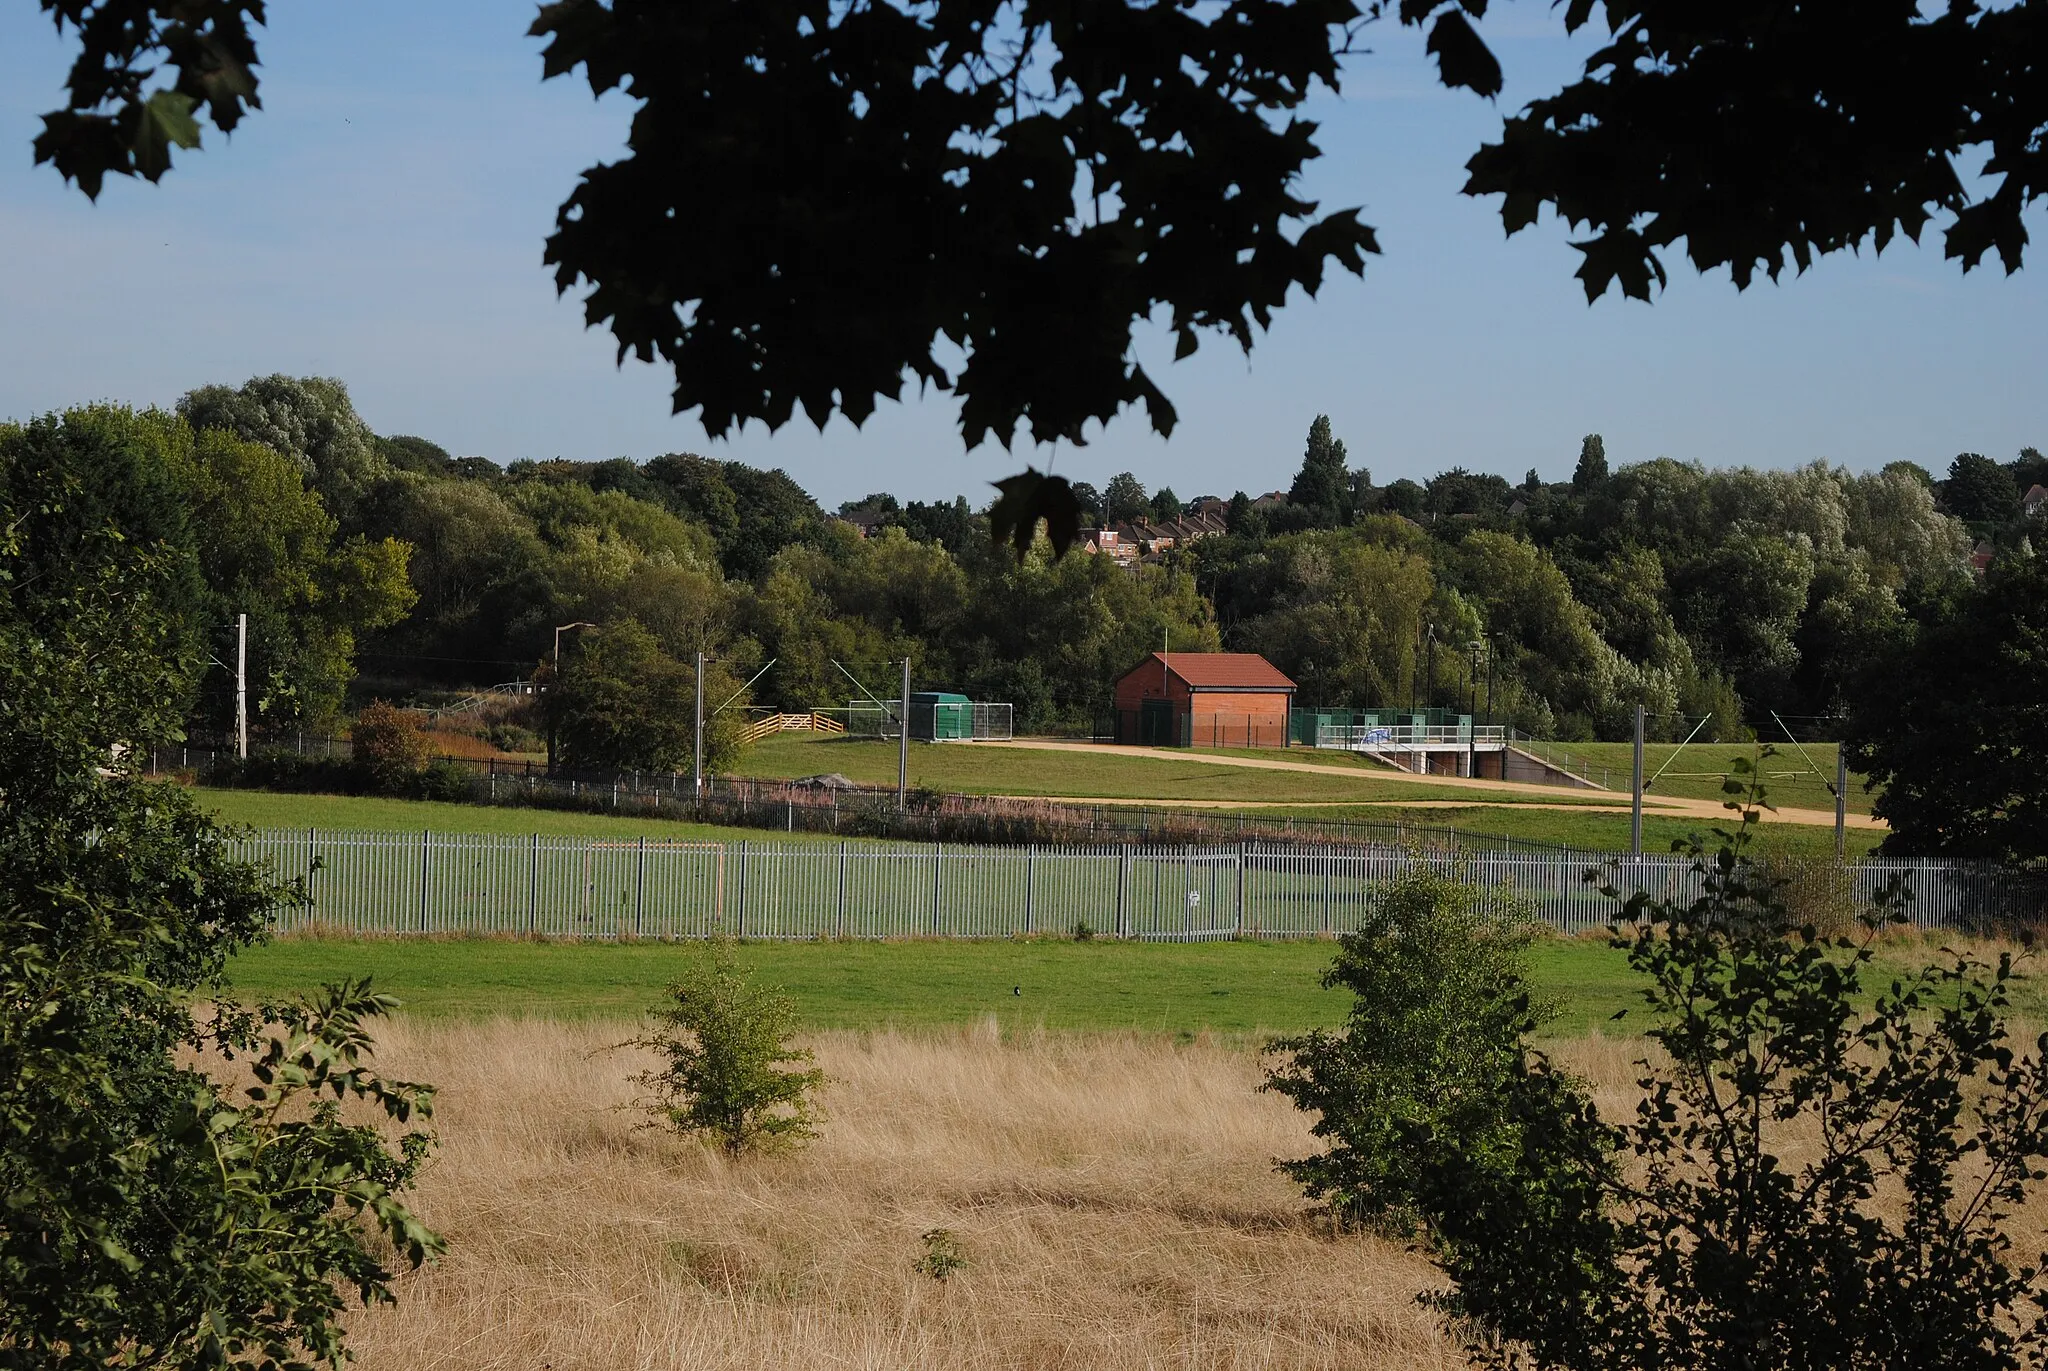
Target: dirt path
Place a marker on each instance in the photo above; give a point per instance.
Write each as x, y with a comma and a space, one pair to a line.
1483, 789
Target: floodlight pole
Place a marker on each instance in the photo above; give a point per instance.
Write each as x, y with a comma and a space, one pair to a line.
1635, 815
555, 680
697, 755
1841, 801
903, 744
1472, 718
1492, 655
242, 686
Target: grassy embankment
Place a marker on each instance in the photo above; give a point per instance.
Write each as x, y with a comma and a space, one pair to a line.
1594, 830
968, 769
266, 809
1792, 780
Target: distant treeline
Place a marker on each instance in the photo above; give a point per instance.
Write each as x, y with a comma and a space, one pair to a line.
385, 565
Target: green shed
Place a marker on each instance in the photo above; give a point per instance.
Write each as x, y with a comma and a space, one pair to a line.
939, 716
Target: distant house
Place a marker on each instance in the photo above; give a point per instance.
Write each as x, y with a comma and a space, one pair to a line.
1981, 555
2035, 498
864, 520
1195, 525
1518, 508
1204, 699
1272, 499
1110, 543
1149, 538
1208, 504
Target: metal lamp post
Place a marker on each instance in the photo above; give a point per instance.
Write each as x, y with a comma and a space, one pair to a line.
555, 674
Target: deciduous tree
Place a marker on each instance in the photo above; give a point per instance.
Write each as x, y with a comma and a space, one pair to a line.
1953, 729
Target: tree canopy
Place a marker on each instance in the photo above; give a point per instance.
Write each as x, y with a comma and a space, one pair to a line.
1052, 177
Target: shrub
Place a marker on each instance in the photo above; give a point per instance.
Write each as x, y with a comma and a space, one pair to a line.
1817, 892
942, 1255
390, 748
1813, 1179
726, 1044
444, 780
1440, 1005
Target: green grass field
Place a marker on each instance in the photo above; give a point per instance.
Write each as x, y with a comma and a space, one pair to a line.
968, 769
1790, 780
1594, 831
264, 809
1224, 987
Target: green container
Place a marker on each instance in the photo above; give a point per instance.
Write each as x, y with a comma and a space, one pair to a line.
939, 716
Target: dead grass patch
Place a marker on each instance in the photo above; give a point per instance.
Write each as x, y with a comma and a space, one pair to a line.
1114, 1196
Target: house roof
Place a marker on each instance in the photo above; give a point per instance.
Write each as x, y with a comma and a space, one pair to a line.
1224, 670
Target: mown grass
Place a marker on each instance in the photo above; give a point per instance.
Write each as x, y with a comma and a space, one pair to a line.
1235, 988
264, 809
980, 769
1568, 827
1590, 830
1790, 779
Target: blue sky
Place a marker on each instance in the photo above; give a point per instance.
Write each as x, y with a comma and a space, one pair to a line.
381, 221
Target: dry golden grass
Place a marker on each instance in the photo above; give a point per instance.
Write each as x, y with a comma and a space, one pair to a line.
1114, 1197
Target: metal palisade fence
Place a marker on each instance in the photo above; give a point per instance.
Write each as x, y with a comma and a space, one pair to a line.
562, 887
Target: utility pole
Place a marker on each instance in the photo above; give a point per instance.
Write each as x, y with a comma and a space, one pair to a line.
1841, 801
1429, 691
242, 686
1492, 655
697, 756
555, 680
903, 745
1472, 716
1635, 816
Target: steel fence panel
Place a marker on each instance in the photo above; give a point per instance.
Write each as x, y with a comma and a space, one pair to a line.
424, 883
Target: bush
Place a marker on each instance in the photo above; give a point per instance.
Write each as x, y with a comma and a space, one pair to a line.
390, 748
1814, 1179
444, 780
1440, 1005
728, 1054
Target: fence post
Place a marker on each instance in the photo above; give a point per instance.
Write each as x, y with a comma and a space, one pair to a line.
938, 850
842, 891
312, 862
1328, 876
1123, 886
639, 885
1187, 888
1240, 889
533, 888
1030, 882
426, 845
740, 916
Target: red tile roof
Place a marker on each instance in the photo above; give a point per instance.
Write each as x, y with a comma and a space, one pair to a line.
1224, 670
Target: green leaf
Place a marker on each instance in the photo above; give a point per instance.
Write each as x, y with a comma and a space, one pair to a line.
165, 120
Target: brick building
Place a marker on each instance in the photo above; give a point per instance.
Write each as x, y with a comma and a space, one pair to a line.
1204, 699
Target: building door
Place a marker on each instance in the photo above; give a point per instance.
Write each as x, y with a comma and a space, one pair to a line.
1155, 724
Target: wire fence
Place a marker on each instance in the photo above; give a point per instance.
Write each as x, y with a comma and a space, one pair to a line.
427, 883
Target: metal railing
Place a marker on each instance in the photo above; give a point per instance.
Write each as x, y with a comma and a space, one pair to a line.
425, 883
1374, 737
